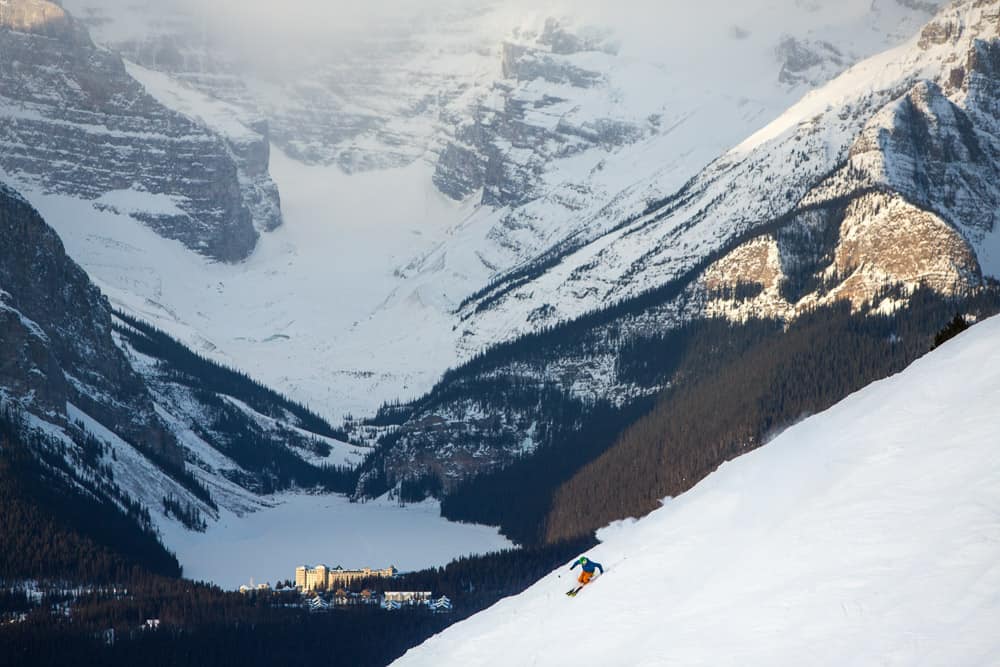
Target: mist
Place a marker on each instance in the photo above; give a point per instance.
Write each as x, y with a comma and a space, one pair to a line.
667, 31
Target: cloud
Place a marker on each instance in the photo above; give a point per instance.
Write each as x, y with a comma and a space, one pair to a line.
665, 31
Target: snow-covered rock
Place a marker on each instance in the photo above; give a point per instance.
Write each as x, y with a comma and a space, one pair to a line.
868, 189
74, 122
865, 534
60, 347
918, 121
550, 126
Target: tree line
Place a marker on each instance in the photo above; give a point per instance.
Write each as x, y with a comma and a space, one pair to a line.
51, 529
194, 370
695, 427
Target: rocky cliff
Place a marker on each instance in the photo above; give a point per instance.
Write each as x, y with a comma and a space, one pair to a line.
75, 123
504, 141
918, 124
136, 416
58, 344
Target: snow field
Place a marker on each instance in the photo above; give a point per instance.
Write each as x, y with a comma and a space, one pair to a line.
868, 534
297, 314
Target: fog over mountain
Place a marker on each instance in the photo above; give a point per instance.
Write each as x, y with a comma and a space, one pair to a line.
431, 147
654, 30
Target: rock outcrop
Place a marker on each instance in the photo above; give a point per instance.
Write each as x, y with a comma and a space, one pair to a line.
504, 141
58, 344
866, 194
34, 16
74, 122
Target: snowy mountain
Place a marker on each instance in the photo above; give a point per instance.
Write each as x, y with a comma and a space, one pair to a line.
62, 366
75, 124
555, 182
200, 454
863, 139
873, 192
60, 350
499, 132
866, 533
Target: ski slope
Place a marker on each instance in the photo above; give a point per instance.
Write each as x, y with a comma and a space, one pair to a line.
866, 535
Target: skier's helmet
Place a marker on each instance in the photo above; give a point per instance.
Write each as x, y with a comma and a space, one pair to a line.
583, 559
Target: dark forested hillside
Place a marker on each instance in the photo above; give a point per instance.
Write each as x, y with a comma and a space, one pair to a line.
528, 414
200, 625
728, 386
52, 529
823, 357
272, 458
696, 349
185, 366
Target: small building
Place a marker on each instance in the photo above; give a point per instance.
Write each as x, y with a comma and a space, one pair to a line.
408, 597
247, 589
317, 604
441, 605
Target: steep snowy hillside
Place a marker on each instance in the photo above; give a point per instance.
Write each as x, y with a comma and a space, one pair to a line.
866, 534
534, 120
296, 314
932, 100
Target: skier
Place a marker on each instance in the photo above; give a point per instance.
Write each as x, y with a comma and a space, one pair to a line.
587, 567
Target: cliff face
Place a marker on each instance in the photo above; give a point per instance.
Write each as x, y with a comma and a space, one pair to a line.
74, 122
504, 141
134, 416
58, 344
917, 124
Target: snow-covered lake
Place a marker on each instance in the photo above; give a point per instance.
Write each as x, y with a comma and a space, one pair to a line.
310, 529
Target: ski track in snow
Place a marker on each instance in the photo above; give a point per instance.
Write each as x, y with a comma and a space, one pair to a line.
868, 534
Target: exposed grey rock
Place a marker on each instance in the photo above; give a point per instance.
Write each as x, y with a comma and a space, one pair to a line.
912, 198
524, 63
808, 62
28, 369
497, 145
928, 6
57, 338
74, 122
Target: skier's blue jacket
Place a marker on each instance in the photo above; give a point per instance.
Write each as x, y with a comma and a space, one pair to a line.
588, 565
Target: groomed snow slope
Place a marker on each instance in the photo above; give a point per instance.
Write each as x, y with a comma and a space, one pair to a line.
868, 534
